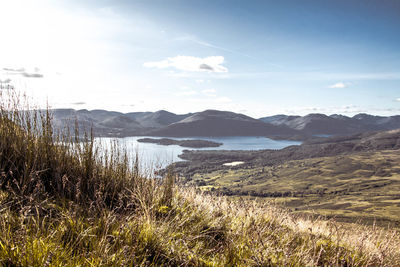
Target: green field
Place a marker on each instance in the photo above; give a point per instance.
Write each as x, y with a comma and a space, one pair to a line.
363, 186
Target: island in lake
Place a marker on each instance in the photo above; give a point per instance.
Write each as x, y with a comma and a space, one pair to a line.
182, 143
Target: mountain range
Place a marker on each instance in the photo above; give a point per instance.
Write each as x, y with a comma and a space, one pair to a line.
320, 124
218, 123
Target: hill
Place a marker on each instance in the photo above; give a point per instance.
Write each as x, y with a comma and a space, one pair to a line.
349, 178
221, 123
103, 122
156, 119
114, 124
320, 124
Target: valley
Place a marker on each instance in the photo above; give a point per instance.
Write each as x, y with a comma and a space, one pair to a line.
352, 179
362, 186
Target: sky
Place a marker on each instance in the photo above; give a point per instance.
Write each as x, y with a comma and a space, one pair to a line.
258, 58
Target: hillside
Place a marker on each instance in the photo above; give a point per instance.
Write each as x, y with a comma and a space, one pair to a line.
349, 178
320, 124
157, 119
319, 147
221, 123
103, 122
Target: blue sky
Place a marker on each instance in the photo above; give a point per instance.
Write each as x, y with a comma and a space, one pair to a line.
255, 57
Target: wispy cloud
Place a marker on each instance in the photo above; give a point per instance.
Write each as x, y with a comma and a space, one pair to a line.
209, 92
6, 84
187, 93
223, 99
319, 76
190, 63
345, 109
196, 40
32, 75
339, 85
14, 70
23, 72
78, 103
398, 99
5, 81
206, 67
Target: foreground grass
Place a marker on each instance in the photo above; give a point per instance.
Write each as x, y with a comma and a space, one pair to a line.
64, 203
195, 230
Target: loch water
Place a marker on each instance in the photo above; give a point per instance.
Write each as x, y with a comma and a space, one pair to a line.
158, 156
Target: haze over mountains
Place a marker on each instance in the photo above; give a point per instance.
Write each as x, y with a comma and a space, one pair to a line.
219, 123
320, 124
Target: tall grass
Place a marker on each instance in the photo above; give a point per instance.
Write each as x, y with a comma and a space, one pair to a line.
63, 202
35, 159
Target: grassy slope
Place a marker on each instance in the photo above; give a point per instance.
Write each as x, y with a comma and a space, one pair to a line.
64, 203
196, 230
358, 186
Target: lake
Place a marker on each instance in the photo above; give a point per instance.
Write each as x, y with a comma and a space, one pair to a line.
157, 156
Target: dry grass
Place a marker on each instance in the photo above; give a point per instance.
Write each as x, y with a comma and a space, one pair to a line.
64, 203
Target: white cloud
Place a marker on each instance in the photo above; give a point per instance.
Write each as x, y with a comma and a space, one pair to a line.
6, 81
189, 63
80, 103
187, 93
205, 91
194, 39
209, 92
349, 109
339, 85
199, 81
398, 99
223, 99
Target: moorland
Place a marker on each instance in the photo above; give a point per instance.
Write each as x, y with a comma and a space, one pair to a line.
348, 178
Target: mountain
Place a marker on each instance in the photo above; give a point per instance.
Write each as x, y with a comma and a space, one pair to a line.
378, 122
315, 124
218, 123
320, 124
103, 122
368, 119
278, 119
120, 122
157, 119
221, 123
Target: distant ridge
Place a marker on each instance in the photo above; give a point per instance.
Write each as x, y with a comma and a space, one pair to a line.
157, 119
222, 123
315, 124
219, 123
